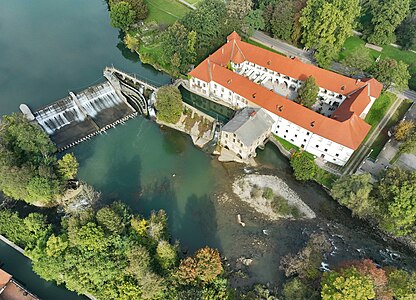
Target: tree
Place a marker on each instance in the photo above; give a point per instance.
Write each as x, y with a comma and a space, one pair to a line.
386, 15
326, 25
109, 219
396, 194
303, 167
281, 22
358, 59
122, 15
255, 20
392, 73
208, 264
296, 290
377, 275
346, 284
237, 10
308, 92
307, 261
204, 267
211, 25
409, 145
404, 129
179, 47
354, 192
140, 8
402, 284
169, 104
406, 32
166, 255
132, 42
43, 191
67, 167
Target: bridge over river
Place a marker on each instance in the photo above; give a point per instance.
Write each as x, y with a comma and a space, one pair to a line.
82, 115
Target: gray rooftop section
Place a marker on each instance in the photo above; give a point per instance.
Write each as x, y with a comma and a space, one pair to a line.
248, 124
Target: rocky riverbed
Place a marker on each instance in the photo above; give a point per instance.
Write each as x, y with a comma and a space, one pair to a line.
259, 191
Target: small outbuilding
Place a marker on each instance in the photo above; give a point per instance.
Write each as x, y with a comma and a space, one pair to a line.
249, 129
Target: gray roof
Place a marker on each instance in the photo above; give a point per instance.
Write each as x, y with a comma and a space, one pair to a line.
248, 124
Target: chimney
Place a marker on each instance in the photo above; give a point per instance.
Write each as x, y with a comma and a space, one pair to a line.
357, 81
312, 123
222, 50
254, 95
229, 81
252, 114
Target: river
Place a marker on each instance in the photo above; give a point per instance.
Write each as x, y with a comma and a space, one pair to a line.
49, 47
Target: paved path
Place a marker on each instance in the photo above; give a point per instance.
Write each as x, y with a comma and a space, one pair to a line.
281, 46
363, 151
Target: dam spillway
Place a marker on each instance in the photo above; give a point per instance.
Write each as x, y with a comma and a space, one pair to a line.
82, 115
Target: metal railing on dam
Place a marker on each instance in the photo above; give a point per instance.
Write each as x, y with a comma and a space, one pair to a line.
82, 115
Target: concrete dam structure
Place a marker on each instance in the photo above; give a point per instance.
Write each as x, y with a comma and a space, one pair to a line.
82, 115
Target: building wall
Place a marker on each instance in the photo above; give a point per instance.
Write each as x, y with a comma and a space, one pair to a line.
233, 143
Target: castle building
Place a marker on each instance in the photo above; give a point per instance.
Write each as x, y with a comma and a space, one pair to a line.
250, 128
241, 75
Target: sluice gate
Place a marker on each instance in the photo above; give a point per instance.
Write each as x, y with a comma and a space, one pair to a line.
82, 115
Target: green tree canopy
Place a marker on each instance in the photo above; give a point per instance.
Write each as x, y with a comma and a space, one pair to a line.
28, 166
122, 15
169, 104
67, 167
354, 192
358, 59
326, 25
406, 33
303, 167
390, 72
346, 284
386, 16
396, 194
308, 92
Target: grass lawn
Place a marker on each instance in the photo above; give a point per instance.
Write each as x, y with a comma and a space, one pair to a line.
379, 108
383, 137
250, 41
165, 11
408, 57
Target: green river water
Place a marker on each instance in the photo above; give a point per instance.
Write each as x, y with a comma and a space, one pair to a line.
49, 47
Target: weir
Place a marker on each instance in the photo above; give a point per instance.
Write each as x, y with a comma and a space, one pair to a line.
82, 115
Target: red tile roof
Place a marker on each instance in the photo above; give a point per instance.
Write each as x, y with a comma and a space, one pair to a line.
346, 128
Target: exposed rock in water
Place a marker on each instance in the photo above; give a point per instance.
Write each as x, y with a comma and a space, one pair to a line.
272, 197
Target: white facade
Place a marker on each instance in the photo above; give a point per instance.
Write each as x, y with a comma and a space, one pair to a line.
319, 146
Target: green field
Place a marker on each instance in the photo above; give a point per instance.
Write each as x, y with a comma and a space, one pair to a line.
379, 108
408, 57
165, 11
383, 137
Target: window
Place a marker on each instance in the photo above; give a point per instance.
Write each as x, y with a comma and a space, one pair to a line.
278, 126
296, 135
337, 154
308, 133
230, 93
326, 150
287, 130
317, 146
241, 144
233, 140
284, 136
226, 135
322, 155
304, 140
222, 89
291, 140
215, 85
302, 146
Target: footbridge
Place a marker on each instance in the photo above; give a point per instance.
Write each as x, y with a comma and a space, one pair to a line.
82, 115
